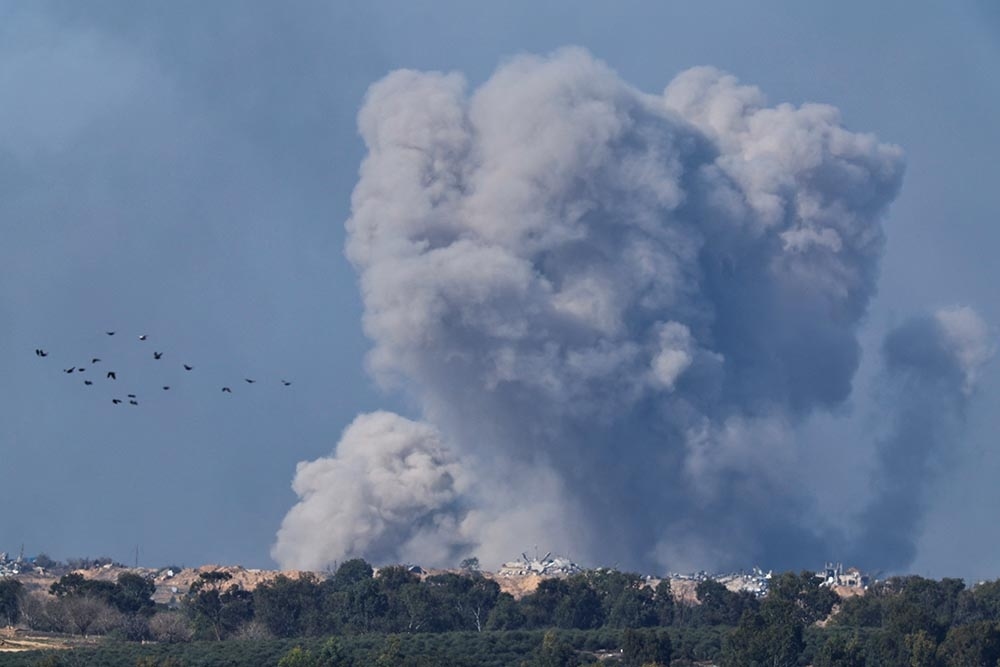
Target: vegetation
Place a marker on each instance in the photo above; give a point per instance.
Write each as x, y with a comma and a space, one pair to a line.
355, 618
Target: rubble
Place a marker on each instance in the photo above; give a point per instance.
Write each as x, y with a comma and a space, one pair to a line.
834, 575
13, 567
754, 580
547, 566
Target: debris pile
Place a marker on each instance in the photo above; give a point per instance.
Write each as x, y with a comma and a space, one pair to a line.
10, 568
548, 566
834, 575
754, 580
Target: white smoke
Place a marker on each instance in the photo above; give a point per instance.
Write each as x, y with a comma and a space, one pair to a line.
613, 307
391, 491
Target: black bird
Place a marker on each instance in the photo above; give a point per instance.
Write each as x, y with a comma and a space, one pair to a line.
286, 382
94, 360
187, 368
110, 333
80, 368
249, 381
133, 402
142, 337
88, 382
69, 370
157, 355
40, 353
116, 401
166, 387
227, 390
112, 376
131, 395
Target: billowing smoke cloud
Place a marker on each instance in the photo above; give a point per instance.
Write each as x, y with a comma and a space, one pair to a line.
614, 307
392, 490
931, 367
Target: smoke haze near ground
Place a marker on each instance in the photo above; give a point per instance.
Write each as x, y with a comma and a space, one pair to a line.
613, 310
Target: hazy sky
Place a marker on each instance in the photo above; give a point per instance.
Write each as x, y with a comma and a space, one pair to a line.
184, 170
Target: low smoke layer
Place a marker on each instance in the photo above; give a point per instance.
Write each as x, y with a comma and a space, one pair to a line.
931, 365
614, 308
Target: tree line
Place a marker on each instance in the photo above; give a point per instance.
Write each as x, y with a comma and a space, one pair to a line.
565, 621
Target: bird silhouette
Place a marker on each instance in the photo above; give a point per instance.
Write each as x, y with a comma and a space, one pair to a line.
286, 383
116, 401
69, 370
81, 368
94, 360
227, 390
41, 353
142, 337
133, 402
166, 387
249, 381
110, 333
88, 382
131, 395
112, 376
187, 368
157, 355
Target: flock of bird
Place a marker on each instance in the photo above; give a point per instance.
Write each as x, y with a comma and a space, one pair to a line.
112, 375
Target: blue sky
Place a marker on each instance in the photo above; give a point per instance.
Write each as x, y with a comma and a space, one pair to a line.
184, 171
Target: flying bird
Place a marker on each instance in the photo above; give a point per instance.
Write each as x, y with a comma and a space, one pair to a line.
81, 368
132, 401
166, 387
110, 333
227, 390
112, 376
69, 370
131, 395
286, 383
41, 353
249, 381
142, 337
88, 382
116, 401
187, 368
94, 360
157, 355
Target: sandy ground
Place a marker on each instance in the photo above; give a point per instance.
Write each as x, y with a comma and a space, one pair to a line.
12, 641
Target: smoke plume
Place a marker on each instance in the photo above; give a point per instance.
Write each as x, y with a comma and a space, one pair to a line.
613, 310
931, 364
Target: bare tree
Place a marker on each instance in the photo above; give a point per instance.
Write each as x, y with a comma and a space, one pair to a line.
170, 627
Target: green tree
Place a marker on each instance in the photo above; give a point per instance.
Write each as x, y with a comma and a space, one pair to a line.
773, 639
506, 614
11, 591
555, 652
298, 657
350, 573
841, 650
134, 594
811, 601
645, 647
290, 607
663, 598
720, 606
217, 614
633, 608
921, 649
971, 645
390, 654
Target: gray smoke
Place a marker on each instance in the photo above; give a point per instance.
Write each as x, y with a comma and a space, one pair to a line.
931, 365
614, 308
